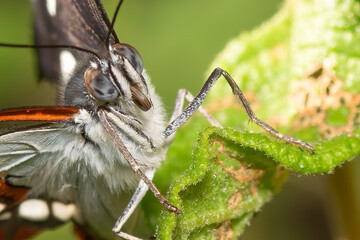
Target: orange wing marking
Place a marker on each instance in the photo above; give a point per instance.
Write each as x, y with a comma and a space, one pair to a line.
11, 195
38, 114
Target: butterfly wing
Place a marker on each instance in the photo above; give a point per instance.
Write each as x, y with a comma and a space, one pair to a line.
26, 133
42, 156
15, 226
25, 136
81, 23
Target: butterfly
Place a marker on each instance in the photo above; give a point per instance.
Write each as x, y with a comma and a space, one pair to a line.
83, 158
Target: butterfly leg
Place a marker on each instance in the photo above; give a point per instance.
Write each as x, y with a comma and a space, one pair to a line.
179, 104
133, 203
199, 98
132, 161
183, 95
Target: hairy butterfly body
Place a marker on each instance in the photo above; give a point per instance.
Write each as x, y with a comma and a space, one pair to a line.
82, 160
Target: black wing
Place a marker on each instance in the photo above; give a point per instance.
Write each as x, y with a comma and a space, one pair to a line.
81, 23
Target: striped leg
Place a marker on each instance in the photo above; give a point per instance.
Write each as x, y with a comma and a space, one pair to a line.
200, 97
133, 203
178, 109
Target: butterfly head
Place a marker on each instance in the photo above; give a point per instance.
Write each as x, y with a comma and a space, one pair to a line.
119, 77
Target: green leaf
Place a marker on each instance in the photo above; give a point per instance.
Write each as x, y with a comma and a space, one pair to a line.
299, 72
234, 174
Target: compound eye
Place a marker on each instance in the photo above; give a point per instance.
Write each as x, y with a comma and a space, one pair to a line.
99, 86
131, 54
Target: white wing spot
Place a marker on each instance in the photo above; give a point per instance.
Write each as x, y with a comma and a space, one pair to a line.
5, 216
63, 212
51, 7
2, 206
67, 65
34, 210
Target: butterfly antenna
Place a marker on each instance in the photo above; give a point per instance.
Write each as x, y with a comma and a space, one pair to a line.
49, 46
113, 22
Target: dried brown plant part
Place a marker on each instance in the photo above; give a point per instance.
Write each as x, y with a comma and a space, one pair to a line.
235, 199
252, 176
224, 232
216, 142
245, 174
318, 91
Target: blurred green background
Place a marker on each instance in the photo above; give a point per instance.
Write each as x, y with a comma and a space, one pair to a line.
177, 40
